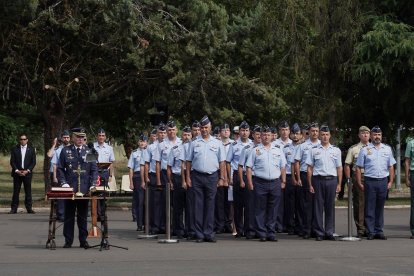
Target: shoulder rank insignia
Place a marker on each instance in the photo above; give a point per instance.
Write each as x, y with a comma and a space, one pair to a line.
192, 139
335, 146
234, 143
227, 144
365, 146
134, 150
246, 147
145, 147
175, 147
353, 146
314, 147
254, 146
277, 146
286, 146
217, 138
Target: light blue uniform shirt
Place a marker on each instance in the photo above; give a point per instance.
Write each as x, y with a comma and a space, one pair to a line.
301, 153
234, 152
206, 155
265, 163
135, 159
289, 151
163, 150
106, 152
281, 143
174, 160
375, 161
149, 156
324, 161
55, 157
183, 153
245, 154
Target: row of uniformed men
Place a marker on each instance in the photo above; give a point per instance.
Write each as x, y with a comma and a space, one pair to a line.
305, 174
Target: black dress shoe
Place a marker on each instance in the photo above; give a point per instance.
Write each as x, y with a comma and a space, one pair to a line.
273, 239
249, 237
370, 237
84, 244
319, 238
180, 237
330, 238
313, 235
30, 211
134, 220
99, 219
306, 236
380, 237
238, 235
139, 228
290, 233
213, 240
218, 232
154, 232
301, 234
199, 240
12, 211
67, 245
279, 231
263, 239
228, 229
412, 237
359, 235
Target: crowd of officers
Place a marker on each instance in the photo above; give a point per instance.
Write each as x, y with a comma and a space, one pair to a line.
257, 188
253, 188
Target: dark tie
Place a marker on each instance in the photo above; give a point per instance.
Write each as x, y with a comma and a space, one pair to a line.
78, 149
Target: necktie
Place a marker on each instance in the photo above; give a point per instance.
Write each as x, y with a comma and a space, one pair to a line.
78, 149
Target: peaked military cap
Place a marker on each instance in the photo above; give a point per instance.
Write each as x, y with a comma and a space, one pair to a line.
236, 129
80, 131
363, 128
205, 120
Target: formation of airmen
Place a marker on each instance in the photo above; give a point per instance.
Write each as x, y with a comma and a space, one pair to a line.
255, 186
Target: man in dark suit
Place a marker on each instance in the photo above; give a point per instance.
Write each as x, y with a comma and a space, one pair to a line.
71, 162
22, 161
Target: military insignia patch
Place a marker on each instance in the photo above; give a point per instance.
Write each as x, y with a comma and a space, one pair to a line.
198, 145
246, 147
306, 148
318, 153
70, 166
258, 152
368, 151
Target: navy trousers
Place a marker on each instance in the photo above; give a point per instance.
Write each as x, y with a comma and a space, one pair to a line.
60, 211
280, 217
179, 205
79, 206
219, 209
189, 210
291, 206
266, 199
375, 195
249, 218
238, 203
205, 189
138, 199
325, 191
306, 204
155, 196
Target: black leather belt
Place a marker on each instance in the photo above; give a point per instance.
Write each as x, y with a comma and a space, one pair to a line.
329, 177
265, 180
374, 179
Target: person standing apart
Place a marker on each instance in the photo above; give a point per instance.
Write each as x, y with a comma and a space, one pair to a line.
378, 163
22, 161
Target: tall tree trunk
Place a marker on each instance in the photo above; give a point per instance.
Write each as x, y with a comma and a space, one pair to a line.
332, 111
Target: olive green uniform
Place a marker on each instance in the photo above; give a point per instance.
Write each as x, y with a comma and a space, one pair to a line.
358, 194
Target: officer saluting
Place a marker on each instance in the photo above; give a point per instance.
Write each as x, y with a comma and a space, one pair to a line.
378, 162
69, 159
206, 155
268, 163
324, 177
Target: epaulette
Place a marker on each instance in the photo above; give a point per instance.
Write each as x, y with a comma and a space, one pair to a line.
234, 143
353, 146
134, 150
193, 139
161, 141
217, 138
286, 146
277, 146
314, 147
301, 142
186, 142
254, 146
335, 146
175, 147
246, 147
227, 144
145, 147
365, 146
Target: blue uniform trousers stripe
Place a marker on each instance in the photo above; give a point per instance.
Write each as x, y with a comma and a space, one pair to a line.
325, 191
205, 188
266, 199
375, 195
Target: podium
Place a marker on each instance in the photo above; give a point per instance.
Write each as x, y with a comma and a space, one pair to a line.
94, 232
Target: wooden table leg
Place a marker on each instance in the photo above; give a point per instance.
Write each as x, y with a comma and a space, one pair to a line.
50, 244
94, 232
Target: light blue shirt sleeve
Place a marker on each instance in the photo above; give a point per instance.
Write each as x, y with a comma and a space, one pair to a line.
170, 161
131, 161
222, 153
229, 156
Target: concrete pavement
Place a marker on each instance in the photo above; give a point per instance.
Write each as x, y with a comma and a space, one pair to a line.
23, 238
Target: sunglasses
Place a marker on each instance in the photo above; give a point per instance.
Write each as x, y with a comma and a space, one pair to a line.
23, 139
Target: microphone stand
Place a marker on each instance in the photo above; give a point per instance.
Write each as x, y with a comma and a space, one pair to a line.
104, 223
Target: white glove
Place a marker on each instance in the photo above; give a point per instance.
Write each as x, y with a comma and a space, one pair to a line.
65, 186
91, 188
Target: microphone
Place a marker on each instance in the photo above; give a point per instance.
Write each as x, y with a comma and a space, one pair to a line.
90, 145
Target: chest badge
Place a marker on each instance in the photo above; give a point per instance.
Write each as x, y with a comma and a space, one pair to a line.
368, 151
198, 145
258, 152
318, 153
306, 148
70, 166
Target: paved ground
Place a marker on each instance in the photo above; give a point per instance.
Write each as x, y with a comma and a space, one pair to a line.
23, 239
